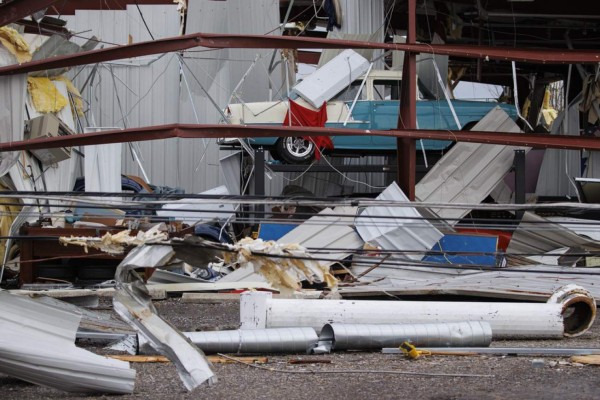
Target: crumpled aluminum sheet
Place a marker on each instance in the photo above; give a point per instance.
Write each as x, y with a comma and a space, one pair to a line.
37, 346
134, 304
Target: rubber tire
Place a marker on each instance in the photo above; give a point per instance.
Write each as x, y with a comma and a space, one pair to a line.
285, 152
469, 126
274, 154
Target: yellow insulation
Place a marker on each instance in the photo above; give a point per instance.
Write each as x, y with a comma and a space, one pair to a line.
44, 95
15, 44
77, 99
549, 114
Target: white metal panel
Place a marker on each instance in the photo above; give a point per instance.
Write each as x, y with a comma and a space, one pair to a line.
102, 166
583, 227
12, 109
331, 78
193, 211
37, 345
539, 235
469, 171
324, 232
560, 166
363, 16
153, 98
524, 286
401, 228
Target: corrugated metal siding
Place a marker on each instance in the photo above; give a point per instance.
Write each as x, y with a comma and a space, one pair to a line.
468, 172
363, 17
149, 94
219, 72
404, 228
500, 284
536, 234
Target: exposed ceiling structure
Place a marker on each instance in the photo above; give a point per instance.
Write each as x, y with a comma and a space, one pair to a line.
483, 40
524, 24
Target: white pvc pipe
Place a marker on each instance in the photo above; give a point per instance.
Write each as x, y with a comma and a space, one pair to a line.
569, 313
446, 94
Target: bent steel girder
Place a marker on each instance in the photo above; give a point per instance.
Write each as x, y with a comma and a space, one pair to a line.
542, 141
221, 41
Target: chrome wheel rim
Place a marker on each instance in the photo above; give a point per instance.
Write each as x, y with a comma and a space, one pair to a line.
298, 146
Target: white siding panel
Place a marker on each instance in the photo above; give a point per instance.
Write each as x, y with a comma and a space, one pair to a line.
219, 72
147, 87
560, 166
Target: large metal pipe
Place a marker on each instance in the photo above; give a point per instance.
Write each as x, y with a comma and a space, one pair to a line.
570, 312
368, 337
280, 340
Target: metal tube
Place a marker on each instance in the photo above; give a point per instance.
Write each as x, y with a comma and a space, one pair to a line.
281, 340
529, 351
367, 337
362, 85
516, 96
446, 94
569, 312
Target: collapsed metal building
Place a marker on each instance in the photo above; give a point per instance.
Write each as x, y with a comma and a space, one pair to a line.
131, 164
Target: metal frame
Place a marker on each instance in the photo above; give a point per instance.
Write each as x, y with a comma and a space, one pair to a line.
14, 10
195, 131
407, 117
222, 41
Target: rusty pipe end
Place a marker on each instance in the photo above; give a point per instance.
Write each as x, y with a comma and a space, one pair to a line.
578, 309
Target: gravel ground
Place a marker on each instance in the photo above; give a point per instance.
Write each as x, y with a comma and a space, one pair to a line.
507, 377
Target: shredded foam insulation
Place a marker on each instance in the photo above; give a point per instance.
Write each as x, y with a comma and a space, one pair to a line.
116, 244
284, 274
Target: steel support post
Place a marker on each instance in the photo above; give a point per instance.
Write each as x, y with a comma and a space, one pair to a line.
407, 119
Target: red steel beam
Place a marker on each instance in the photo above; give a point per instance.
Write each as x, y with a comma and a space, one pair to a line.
542, 141
69, 7
221, 41
14, 10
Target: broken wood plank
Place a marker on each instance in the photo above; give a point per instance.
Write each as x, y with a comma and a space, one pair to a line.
590, 360
209, 298
155, 293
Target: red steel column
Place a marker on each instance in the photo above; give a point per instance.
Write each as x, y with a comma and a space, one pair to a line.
407, 118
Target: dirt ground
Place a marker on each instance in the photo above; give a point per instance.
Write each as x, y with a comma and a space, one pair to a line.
505, 377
